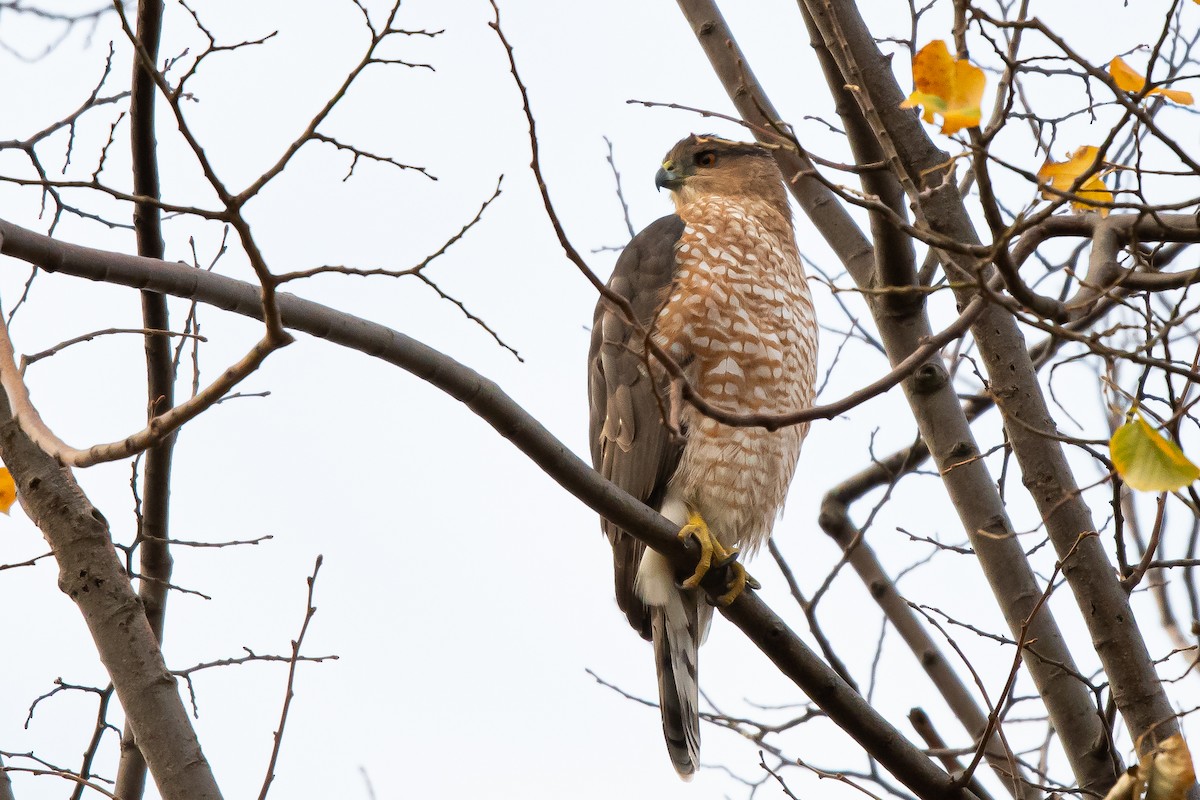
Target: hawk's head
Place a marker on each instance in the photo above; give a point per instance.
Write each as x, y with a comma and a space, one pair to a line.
708, 165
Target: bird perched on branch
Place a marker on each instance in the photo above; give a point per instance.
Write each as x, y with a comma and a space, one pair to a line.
719, 286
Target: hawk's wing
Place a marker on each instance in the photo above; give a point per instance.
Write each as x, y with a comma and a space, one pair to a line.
631, 445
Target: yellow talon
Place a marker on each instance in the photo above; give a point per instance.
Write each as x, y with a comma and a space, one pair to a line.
710, 547
696, 528
736, 586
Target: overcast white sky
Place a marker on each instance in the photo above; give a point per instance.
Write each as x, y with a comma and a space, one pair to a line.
464, 592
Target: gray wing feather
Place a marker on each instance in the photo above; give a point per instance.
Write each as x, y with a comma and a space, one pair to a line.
631, 445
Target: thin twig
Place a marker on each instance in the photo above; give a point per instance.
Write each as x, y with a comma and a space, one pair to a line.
310, 610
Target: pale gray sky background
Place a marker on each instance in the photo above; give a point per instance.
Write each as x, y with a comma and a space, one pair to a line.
463, 591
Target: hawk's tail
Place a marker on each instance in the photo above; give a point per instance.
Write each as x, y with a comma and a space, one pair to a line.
677, 628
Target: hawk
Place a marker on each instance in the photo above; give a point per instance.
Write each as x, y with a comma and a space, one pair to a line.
720, 287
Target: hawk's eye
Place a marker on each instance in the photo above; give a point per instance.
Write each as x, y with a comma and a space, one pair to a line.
706, 159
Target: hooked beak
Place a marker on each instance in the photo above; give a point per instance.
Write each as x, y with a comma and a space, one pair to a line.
668, 179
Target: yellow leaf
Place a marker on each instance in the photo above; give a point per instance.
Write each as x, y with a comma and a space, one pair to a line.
1165, 773
1147, 461
8, 490
1061, 175
1130, 81
947, 86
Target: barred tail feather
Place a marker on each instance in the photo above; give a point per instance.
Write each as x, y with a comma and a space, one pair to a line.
677, 632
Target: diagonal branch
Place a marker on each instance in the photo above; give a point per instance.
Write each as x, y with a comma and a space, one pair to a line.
483, 397
159, 427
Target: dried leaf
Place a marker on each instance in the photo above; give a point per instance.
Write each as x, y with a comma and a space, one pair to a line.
1128, 785
947, 86
1165, 773
1061, 175
1124, 76
1170, 770
1148, 461
8, 490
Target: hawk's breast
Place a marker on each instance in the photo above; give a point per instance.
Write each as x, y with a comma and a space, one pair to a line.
739, 316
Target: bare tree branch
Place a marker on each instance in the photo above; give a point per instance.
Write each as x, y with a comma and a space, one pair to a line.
289, 692
1121, 648
940, 418
90, 573
485, 398
156, 562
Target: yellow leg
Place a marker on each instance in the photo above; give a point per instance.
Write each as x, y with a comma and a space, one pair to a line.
696, 528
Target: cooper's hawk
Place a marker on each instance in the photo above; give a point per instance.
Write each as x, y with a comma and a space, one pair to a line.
720, 286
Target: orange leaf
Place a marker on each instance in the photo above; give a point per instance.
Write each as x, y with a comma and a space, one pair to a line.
1061, 175
8, 490
947, 86
1124, 76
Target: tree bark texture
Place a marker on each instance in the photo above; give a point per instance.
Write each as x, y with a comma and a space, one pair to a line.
1102, 600
154, 552
90, 573
943, 425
